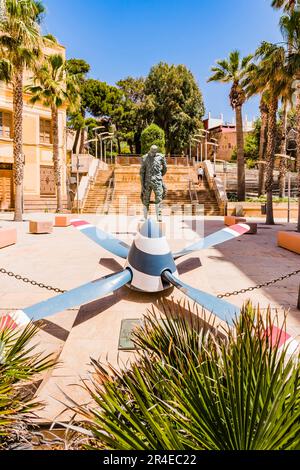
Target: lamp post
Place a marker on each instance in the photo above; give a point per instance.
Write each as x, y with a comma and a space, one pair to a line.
77, 179
287, 157
94, 130
92, 140
77, 171
198, 142
203, 134
104, 139
101, 138
215, 146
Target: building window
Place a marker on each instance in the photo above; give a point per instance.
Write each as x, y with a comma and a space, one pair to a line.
229, 145
5, 124
45, 131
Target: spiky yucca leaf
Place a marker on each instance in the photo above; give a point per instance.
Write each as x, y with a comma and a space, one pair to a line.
20, 368
193, 387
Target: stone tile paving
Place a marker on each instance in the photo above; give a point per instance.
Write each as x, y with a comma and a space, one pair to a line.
66, 259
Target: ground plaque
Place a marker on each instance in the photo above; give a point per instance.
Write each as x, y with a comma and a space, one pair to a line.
125, 339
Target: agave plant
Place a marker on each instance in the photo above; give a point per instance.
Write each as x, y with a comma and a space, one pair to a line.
192, 387
20, 373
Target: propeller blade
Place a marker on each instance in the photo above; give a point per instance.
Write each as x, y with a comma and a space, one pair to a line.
105, 240
73, 298
224, 310
214, 239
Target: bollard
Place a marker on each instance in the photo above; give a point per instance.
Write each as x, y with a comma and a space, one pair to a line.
298, 306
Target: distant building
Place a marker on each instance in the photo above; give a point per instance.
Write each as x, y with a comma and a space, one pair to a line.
225, 134
39, 184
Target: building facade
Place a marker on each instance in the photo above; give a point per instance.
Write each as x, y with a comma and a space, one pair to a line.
225, 135
39, 183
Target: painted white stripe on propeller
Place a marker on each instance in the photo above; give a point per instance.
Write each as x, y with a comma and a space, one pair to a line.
152, 246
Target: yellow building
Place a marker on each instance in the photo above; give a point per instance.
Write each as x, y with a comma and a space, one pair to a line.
39, 185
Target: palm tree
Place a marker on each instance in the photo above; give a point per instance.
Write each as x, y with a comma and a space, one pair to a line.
264, 113
290, 27
270, 75
286, 100
77, 119
54, 88
20, 47
233, 70
287, 5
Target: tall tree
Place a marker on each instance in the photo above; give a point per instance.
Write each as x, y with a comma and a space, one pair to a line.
269, 76
79, 69
286, 101
264, 113
136, 115
286, 5
20, 47
105, 102
289, 7
233, 70
290, 27
54, 87
176, 103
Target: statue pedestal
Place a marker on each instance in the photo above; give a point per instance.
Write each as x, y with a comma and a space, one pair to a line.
161, 226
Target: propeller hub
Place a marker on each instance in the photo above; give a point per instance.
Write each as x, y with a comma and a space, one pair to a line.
149, 256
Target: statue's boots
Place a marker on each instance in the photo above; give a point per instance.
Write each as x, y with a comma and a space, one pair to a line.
145, 209
158, 212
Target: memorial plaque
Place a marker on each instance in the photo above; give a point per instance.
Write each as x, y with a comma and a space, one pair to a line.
125, 339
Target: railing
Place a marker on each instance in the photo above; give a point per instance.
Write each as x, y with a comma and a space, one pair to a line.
86, 182
216, 185
109, 195
136, 160
193, 192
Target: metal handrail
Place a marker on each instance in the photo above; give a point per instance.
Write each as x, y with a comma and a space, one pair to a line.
193, 192
109, 195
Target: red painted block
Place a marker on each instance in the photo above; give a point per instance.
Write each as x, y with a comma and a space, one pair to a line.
8, 236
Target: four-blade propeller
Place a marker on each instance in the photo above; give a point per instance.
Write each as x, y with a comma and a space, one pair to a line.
149, 267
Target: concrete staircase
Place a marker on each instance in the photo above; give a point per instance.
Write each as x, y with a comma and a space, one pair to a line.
127, 191
207, 198
42, 204
251, 180
97, 194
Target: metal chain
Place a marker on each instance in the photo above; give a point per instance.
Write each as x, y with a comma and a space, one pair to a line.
220, 296
259, 286
33, 283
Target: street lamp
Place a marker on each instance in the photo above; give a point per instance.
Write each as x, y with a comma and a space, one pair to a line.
287, 157
203, 133
92, 140
97, 128
100, 138
94, 130
198, 142
215, 146
104, 139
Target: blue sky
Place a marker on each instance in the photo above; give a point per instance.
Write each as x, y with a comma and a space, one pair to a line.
126, 37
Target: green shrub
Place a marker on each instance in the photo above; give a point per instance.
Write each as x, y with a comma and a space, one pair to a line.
20, 368
198, 387
153, 135
125, 148
251, 163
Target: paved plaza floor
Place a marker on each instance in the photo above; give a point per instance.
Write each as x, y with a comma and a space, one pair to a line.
67, 259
